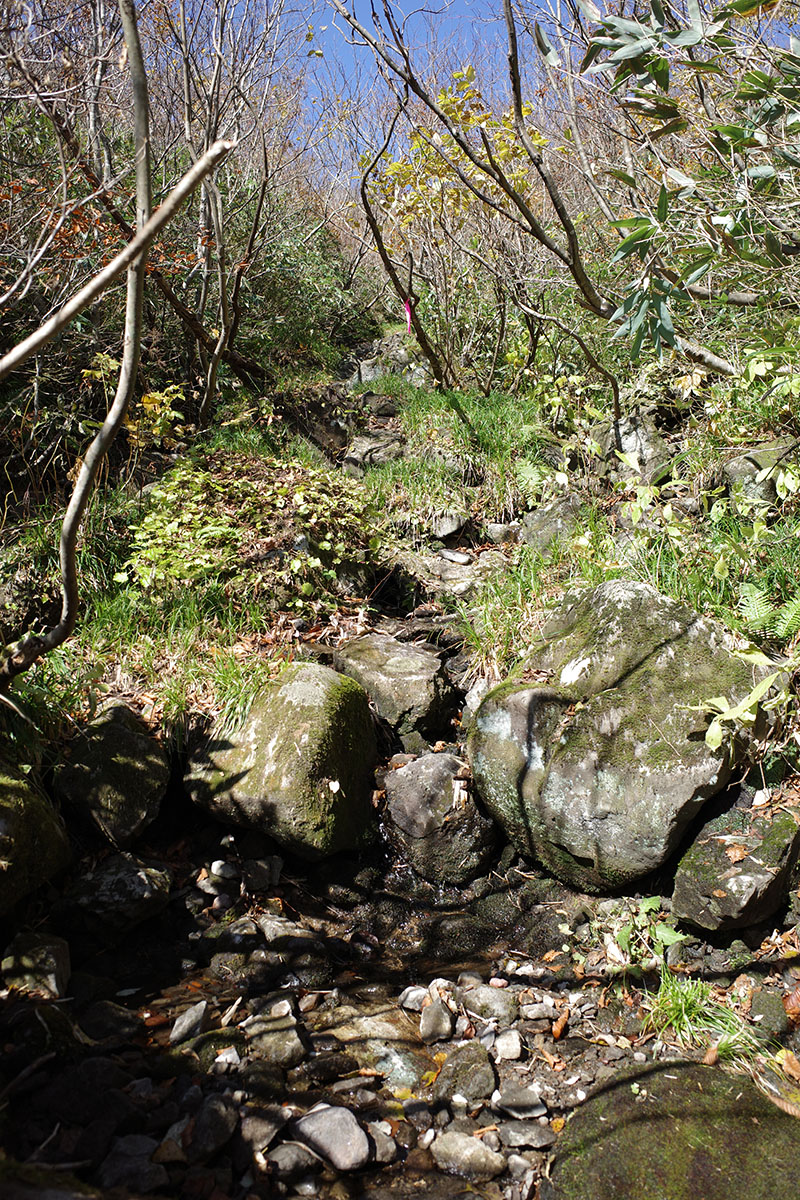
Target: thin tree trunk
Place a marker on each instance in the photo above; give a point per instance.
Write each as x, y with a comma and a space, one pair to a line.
33, 647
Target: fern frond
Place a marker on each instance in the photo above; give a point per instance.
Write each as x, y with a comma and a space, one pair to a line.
787, 620
758, 611
529, 477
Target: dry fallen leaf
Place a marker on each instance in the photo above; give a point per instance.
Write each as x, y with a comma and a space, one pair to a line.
711, 1056
560, 1024
737, 853
790, 1064
791, 1002
557, 1124
718, 892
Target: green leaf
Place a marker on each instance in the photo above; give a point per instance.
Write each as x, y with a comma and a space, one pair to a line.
634, 242
623, 26
650, 904
685, 182
714, 735
662, 207
546, 50
590, 11
676, 126
595, 49
686, 37
701, 68
667, 936
623, 177
695, 16
697, 268
633, 50
659, 69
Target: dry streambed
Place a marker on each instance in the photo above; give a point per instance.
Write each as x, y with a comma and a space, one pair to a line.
301, 1040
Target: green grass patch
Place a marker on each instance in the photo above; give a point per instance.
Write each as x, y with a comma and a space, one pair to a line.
689, 1012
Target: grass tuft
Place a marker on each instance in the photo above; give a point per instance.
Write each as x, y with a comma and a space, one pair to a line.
689, 1011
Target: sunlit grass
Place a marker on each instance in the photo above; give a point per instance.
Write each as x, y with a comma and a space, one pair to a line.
688, 1012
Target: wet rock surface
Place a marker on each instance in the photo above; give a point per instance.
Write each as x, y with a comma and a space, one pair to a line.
309, 1050
33, 842
116, 775
440, 829
407, 683
735, 872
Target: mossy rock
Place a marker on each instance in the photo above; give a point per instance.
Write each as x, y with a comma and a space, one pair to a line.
738, 870
598, 770
116, 775
300, 769
676, 1131
33, 842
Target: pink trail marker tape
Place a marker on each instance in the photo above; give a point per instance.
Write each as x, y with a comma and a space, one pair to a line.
407, 307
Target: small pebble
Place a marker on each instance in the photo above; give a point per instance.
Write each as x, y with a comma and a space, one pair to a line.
224, 870
190, 1023
414, 998
436, 1023
508, 1045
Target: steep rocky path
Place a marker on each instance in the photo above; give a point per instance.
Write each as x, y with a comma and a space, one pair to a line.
197, 1011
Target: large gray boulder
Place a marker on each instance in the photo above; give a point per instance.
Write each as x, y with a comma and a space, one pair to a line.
301, 767
33, 842
407, 683
117, 774
544, 526
372, 450
738, 870
598, 769
435, 820
752, 476
637, 437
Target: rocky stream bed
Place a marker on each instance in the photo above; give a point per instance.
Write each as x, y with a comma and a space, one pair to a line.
398, 934
211, 1021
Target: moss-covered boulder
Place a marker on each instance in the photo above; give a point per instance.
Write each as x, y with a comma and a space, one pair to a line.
407, 683
301, 767
33, 842
116, 775
738, 870
676, 1131
598, 767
